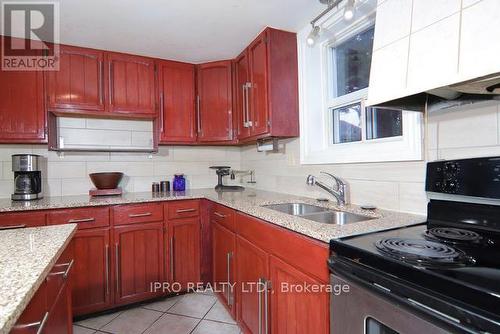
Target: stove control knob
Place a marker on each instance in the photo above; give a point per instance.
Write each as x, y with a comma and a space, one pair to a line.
450, 186
451, 168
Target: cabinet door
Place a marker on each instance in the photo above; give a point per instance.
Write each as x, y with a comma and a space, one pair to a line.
215, 102
295, 311
224, 246
60, 316
257, 55
138, 261
79, 83
251, 268
22, 110
242, 102
184, 250
177, 102
91, 283
131, 85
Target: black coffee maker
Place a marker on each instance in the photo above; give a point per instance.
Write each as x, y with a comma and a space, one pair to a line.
27, 177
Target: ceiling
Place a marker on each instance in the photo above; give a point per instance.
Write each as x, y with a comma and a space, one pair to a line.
187, 30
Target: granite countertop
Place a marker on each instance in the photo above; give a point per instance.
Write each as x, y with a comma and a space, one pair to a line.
26, 257
249, 201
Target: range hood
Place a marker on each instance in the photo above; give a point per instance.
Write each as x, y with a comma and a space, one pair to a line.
480, 90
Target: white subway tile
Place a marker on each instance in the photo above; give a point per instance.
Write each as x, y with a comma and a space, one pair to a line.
71, 122
384, 195
6, 151
75, 186
6, 188
412, 198
129, 169
142, 139
476, 127
66, 170
114, 124
84, 137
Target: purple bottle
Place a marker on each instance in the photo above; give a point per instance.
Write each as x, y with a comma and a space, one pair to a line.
179, 183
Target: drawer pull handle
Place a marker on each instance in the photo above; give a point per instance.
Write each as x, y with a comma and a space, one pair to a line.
39, 324
66, 272
83, 220
220, 215
138, 215
12, 227
107, 269
185, 210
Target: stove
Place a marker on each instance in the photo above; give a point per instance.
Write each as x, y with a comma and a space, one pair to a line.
445, 271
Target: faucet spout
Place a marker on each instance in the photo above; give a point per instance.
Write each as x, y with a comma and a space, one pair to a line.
339, 191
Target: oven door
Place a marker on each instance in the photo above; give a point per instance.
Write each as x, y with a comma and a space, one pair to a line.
361, 311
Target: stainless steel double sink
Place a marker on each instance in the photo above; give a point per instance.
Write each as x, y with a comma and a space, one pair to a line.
318, 213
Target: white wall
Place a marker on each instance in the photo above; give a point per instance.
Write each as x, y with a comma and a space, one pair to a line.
397, 185
68, 174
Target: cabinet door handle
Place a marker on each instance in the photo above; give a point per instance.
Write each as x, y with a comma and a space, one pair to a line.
220, 215
41, 327
101, 82
229, 287
12, 227
64, 273
172, 274
248, 85
198, 114
111, 85
117, 267
185, 210
259, 291
266, 306
83, 220
138, 215
244, 105
161, 111
107, 268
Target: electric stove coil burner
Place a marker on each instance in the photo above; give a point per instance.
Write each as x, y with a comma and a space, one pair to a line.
453, 235
422, 252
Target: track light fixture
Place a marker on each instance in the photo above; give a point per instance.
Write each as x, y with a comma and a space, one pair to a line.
313, 35
349, 10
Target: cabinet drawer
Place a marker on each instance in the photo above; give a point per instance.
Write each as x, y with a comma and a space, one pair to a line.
84, 217
183, 209
223, 216
19, 220
140, 213
59, 275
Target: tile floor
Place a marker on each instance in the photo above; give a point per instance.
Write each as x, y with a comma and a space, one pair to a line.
196, 313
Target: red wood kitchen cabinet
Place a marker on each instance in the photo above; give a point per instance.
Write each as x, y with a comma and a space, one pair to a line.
184, 251
252, 272
295, 311
131, 85
91, 284
268, 100
22, 108
224, 247
80, 83
34, 313
214, 105
177, 114
241, 95
138, 261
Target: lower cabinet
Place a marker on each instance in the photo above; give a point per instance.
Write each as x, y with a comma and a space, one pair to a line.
224, 247
184, 251
252, 272
138, 261
292, 309
92, 271
49, 311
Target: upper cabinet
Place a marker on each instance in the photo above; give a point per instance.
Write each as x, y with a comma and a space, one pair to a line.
22, 109
177, 120
79, 83
267, 87
422, 45
131, 84
215, 102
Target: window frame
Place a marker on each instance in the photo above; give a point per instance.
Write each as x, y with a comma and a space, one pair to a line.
315, 70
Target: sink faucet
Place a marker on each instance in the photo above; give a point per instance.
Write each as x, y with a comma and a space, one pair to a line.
339, 191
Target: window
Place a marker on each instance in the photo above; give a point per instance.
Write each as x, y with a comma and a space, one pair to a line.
336, 125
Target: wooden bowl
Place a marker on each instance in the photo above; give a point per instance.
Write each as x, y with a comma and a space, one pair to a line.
106, 180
